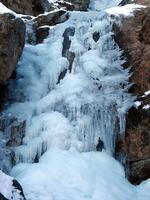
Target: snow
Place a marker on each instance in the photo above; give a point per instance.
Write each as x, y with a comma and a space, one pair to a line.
127, 10
4, 9
63, 175
146, 107
103, 4
5, 185
137, 103
147, 93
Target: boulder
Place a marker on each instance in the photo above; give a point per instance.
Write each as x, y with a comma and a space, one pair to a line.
32, 7
12, 37
79, 5
51, 18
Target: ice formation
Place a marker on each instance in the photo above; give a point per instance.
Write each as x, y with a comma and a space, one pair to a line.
88, 103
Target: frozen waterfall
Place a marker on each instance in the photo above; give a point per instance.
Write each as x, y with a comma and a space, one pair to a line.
89, 102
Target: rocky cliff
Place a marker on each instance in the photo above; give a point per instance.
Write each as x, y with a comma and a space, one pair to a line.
134, 38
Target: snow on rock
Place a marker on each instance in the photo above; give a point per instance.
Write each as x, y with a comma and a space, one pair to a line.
146, 93
146, 107
4, 9
10, 188
137, 103
102, 4
127, 10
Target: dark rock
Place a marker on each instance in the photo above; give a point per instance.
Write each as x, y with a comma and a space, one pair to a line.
41, 34
100, 145
80, 5
17, 186
96, 36
2, 197
51, 19
12, 37
15, 190
70, 31
12, 132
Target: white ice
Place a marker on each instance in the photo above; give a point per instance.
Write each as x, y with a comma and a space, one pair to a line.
70, 175
126, 11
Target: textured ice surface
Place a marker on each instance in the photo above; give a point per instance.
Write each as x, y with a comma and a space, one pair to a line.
70, 175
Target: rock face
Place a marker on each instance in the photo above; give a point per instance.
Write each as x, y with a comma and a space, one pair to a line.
36, 7
12, 132
79, 4
12, 37
134, 149
32, 7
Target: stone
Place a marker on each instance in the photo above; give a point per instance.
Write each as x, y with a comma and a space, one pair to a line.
12, 37
12, 133
70, 31
79, 5
51, 18
41, 34
26, 7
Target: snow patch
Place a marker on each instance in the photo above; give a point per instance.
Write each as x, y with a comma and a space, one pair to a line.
127, 10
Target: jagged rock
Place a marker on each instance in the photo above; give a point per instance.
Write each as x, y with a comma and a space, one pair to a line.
41, 34
12, 37
134, 149
12, 132
66, 5
40, 24
51, 19
70, 31
141, 2
32, 7
10, 188
81, 5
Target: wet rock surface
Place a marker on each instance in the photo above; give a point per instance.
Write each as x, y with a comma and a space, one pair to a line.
134, 149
